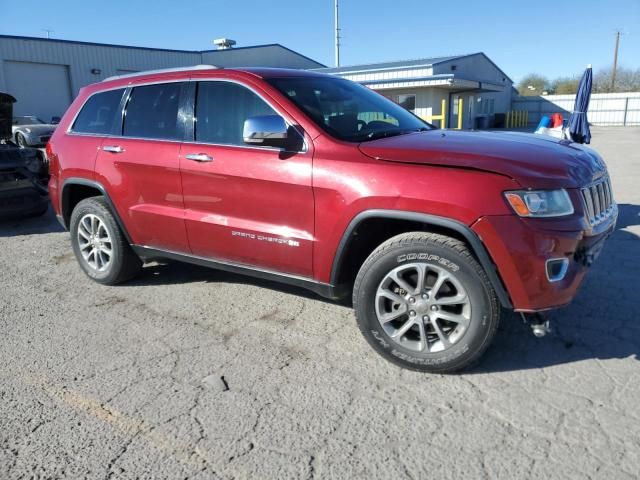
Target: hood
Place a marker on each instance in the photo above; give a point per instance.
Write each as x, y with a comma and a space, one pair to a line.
536, 161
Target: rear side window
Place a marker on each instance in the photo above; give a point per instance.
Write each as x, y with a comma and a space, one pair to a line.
222, 108
98, 113
152, 112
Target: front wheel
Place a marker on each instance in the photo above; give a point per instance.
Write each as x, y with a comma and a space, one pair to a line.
423, 302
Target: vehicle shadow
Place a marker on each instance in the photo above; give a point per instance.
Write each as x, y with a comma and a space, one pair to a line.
168, 272
601, 323
15, 227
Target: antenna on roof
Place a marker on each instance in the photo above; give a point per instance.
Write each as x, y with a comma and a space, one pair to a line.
224, 43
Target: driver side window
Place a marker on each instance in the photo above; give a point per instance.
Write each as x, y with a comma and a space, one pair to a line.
222, 108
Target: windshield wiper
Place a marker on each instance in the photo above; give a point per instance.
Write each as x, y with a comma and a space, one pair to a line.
392, 133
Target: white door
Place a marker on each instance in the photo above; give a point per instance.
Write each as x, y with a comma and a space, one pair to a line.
41, 89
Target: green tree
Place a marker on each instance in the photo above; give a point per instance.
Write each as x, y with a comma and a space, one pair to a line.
564, 85
533, 84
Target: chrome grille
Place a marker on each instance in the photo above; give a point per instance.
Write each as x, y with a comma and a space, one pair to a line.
598, 200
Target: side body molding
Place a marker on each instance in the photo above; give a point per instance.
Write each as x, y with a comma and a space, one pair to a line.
469, 235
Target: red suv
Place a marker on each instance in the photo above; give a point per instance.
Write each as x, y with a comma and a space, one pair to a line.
320, 182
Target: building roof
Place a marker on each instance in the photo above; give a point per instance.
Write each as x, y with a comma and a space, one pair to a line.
404, 64
391, 65
216, 51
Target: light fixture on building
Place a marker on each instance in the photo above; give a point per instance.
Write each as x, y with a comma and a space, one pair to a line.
96, 71
224, 43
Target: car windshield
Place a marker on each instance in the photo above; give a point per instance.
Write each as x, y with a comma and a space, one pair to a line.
28, 121
347, 110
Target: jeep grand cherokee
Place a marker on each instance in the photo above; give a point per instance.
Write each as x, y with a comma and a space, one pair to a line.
316, 181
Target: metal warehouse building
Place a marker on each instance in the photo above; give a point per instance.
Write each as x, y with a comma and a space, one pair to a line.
461, 91
44, 75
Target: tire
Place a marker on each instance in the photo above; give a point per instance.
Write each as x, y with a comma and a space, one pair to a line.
21, 141
463, 294
93, 214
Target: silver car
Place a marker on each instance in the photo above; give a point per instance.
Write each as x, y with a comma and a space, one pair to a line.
30, 131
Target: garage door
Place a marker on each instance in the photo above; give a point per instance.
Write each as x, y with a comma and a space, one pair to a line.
41, 89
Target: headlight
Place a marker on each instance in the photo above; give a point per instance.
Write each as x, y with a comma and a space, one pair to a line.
540, 203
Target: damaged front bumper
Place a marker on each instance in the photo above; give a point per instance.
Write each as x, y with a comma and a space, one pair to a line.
541, 268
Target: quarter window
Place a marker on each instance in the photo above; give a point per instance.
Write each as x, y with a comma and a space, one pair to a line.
98, 113
152, 112
222, 108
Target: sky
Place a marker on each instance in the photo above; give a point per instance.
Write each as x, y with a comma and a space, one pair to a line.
551, 38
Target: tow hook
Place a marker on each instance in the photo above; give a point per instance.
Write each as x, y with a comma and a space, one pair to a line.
538, 322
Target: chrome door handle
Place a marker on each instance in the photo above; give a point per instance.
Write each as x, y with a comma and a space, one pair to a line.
199, 157
113, 148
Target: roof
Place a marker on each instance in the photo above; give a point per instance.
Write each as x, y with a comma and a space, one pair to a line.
196, 71
403, 64
389, 65
113, 45
268, 72
262, 72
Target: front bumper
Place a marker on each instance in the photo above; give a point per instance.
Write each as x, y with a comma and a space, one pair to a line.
521, 248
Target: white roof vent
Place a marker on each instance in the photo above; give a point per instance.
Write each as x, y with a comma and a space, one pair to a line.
224, 43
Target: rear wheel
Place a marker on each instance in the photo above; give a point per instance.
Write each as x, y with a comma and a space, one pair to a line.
423, 302
99, 245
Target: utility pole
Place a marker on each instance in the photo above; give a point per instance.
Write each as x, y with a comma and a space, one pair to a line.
337, 33
615, 61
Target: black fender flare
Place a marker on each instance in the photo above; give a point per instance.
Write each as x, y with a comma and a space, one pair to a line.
93, 184
469, 235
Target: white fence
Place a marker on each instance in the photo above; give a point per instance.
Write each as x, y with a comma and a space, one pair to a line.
604, 109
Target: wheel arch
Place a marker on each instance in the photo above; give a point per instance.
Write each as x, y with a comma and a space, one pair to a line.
76, 189
395, 222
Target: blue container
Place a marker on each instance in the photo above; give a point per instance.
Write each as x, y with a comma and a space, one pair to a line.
545, 121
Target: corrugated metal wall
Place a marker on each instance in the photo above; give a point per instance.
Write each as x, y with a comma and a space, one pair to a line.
478, 68
82, 58
622, 109
264, 56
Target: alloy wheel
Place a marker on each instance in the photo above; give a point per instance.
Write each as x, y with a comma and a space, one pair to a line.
95, 242
423, 307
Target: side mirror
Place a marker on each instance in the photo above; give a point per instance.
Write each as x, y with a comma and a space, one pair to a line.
265, 130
